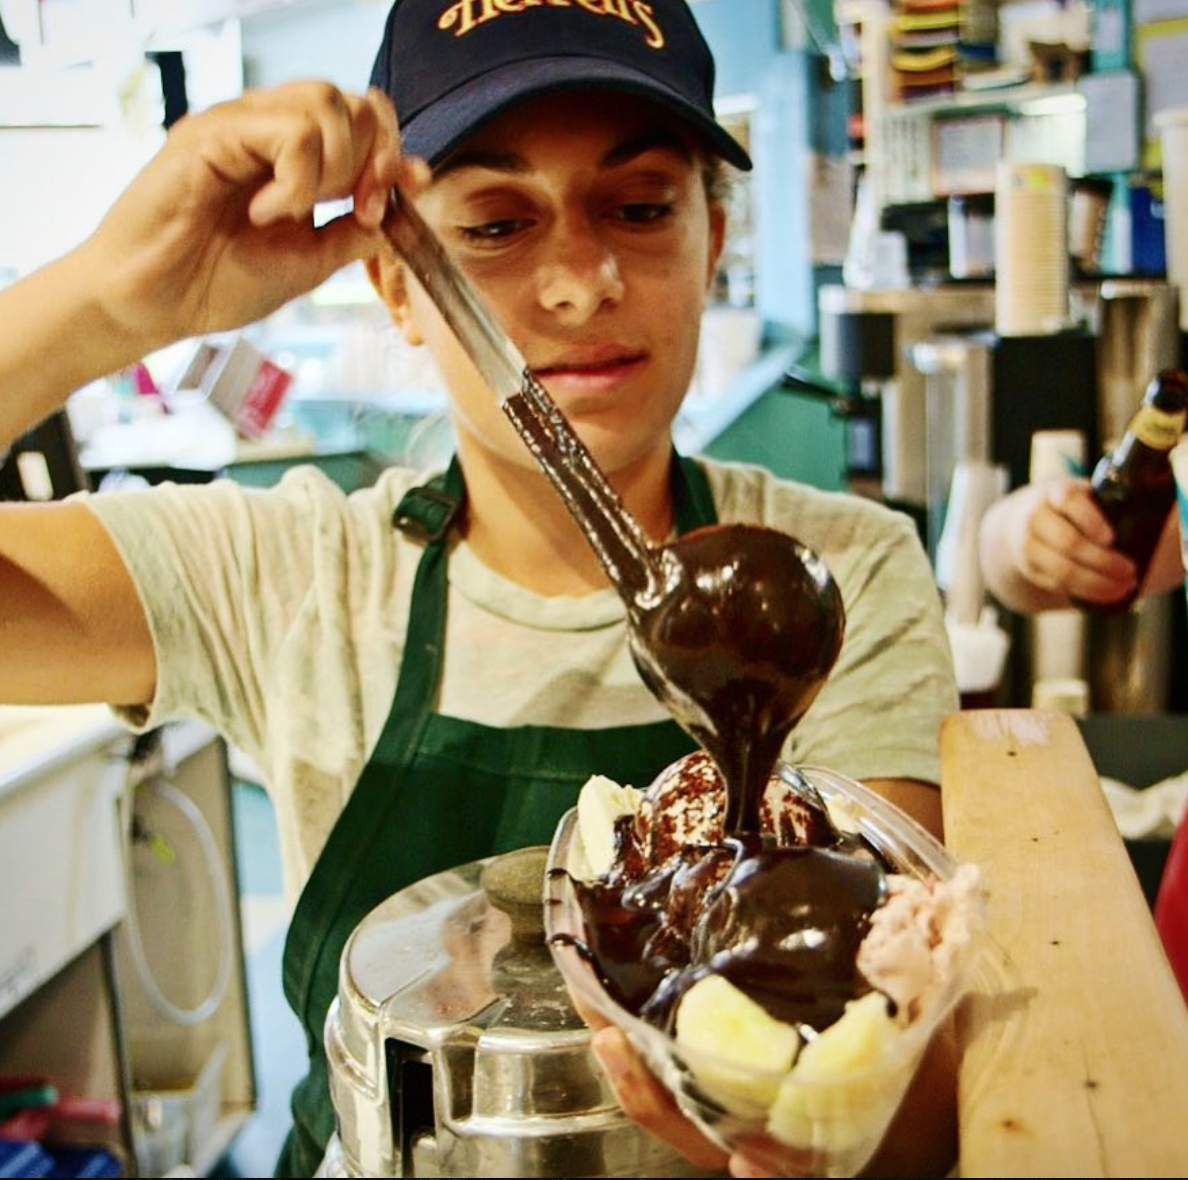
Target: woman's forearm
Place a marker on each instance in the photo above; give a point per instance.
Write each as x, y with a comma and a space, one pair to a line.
54, 338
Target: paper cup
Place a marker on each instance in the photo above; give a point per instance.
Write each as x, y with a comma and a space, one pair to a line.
1056, 453
1030, 249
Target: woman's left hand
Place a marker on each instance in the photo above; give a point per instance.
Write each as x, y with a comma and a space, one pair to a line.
646, 1102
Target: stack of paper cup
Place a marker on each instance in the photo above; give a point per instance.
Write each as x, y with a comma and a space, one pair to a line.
1059, 638
1173, 146
1030, 249
1057, 453
975, 486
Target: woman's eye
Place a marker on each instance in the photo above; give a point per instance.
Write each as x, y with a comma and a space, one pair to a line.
488, 231
645, 212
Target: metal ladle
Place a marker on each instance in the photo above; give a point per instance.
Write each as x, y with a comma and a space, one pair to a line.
734, 627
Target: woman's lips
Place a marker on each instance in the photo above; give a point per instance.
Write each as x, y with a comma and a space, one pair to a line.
590, 376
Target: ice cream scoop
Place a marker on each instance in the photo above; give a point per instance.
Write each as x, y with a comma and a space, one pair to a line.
734, 628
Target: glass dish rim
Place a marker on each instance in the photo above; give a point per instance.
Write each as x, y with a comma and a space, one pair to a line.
892, 831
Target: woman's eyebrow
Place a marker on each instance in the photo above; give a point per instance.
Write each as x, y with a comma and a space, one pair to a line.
476, 158
657, 140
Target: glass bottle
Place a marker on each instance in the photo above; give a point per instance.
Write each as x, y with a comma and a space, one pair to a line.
1133, 484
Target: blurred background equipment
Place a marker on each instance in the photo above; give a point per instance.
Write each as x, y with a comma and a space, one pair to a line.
43, 463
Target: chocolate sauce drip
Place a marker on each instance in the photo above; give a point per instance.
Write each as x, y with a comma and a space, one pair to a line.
782, 922
742, 651
786, 930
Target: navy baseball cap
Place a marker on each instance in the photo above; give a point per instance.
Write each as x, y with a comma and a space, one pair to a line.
450, 66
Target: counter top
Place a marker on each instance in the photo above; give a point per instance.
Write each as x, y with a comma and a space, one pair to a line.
1075, 1039
35, 739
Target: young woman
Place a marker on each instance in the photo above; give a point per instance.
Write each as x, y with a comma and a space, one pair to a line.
473, 660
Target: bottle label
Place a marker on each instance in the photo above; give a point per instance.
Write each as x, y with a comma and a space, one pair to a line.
1159, 429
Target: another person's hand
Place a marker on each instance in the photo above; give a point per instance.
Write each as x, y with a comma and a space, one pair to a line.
217, 230
646, 1102
1048, 543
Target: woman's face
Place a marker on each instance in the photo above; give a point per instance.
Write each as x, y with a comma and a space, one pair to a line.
584, 221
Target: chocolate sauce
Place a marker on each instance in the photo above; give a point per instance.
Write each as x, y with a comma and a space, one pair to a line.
733, 627
782, 922
741, 652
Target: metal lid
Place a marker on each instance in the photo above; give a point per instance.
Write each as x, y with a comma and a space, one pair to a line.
453, 1045
458, 953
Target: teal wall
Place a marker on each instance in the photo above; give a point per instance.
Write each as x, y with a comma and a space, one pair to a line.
799, 110
797, 437
745, 36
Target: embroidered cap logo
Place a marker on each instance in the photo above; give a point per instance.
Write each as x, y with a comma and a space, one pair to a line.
466, 15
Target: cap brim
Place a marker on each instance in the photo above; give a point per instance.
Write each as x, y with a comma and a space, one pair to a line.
437, 131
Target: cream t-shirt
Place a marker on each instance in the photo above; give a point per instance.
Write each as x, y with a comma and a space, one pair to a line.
278, 617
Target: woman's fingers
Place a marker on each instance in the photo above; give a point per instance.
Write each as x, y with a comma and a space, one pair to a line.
647, 1102
219, 229
314, 143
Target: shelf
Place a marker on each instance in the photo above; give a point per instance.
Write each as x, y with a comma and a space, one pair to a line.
1011, 98
702, 419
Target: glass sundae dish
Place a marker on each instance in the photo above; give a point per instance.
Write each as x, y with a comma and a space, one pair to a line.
783, 988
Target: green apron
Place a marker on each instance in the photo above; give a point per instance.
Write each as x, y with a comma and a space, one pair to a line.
439, 792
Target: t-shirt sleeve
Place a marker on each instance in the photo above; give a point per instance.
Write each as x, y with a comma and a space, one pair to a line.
879, 714
225, 574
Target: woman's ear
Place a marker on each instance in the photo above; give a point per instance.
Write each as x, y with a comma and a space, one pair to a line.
387, 276
717, 216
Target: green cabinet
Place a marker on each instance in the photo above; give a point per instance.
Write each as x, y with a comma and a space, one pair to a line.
796, 435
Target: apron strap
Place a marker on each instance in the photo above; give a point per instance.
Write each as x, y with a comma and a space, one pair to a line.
427, 512
692, 498
361, 823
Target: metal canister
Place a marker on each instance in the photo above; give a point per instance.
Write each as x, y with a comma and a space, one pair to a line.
454, 1049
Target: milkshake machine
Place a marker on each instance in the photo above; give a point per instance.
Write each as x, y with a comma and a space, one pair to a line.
454, 1049
955, 391
866, 340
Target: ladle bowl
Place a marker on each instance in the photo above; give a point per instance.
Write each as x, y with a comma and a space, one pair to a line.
739, 647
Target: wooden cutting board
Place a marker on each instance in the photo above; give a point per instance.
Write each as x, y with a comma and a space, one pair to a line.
1076, 1036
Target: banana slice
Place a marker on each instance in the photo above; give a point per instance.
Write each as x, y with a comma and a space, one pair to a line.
719, 1020
830, 1098
857, 1040
600, 803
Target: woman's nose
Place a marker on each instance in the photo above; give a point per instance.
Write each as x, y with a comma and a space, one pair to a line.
582, 273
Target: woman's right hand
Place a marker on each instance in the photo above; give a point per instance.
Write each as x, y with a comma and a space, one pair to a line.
217, 230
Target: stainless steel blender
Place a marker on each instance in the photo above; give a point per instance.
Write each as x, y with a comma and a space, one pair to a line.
454, 1049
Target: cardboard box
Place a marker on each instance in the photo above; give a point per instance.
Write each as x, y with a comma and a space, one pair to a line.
240, 381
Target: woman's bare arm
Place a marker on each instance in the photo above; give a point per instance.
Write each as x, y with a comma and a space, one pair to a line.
216, 231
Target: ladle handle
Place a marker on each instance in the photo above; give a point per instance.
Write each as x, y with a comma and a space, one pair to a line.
485, 342
612, 531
